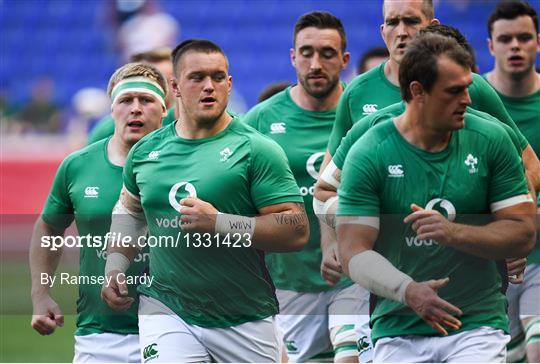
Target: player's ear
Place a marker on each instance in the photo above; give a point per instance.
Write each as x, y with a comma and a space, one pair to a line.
434, 21
293, 57
175, 89
346, 59
417, 90
229, 81
490, 46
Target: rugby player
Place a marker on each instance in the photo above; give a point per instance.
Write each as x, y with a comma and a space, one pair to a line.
86, 188
159, 58
212, 298
379, 88
313, 315
435, 277
514, 42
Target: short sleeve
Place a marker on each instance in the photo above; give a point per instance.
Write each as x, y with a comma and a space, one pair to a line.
272, 181
348, 141
508, 185
342, 124
485, 98
128, 176
358, 193
58, 209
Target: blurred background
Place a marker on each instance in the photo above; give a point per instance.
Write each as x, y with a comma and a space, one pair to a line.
56, 59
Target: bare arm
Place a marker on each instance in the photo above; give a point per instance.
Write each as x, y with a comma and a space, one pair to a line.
280, 228
511, 235
44, 261
373, 272
532, 166
127, 221
331, 269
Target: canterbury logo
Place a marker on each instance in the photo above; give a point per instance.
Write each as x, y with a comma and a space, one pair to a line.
91, 192
369, 108
150, 352
278, 128
396, 171
188, 187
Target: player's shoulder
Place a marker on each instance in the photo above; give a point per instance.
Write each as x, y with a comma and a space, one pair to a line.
359, 83
483, 124
257, 141
87, 156
256, 114
153, 140
378, 136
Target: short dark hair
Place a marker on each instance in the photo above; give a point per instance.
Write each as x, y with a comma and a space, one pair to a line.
321, 20
454, 33
381, 52
272, 89
510, 10
194, 45
427, 9
152, 56
420, 61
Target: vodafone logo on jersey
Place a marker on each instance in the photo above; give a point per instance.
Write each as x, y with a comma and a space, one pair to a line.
310, 164
445, 205
187, 187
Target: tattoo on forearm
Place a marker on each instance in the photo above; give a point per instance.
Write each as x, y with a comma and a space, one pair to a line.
297, 220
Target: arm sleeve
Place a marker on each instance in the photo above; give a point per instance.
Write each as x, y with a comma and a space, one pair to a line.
508, 175
272, 181
128, 175
58, 209
359, 190
342, 123
485, 98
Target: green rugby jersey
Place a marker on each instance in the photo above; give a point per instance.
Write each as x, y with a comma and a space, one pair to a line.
479, 167
363, 125
303, 135
238, 171
371, 91
105, 127
526, 113
86, 187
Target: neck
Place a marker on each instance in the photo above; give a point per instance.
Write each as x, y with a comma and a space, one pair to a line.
187, 128
418, 131
117, 150
391, 71
308, 102
514, 85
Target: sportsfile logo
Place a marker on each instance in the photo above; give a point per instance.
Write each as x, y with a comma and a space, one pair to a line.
91, 192
471, 162
396, 170
278, 128
369, 108
150, 352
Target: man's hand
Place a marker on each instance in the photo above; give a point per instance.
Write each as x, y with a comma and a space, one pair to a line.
516, 269
198, 215
47, 315
116, 294
430, 224
331, 269
423, 299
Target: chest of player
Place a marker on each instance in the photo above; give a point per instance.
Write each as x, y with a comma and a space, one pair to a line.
94, 192
453, 181
304, 144
216, 172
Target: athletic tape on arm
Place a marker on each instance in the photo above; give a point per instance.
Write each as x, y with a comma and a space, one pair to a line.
127, 223
376, 274
328, 175
326, 211
231, 224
